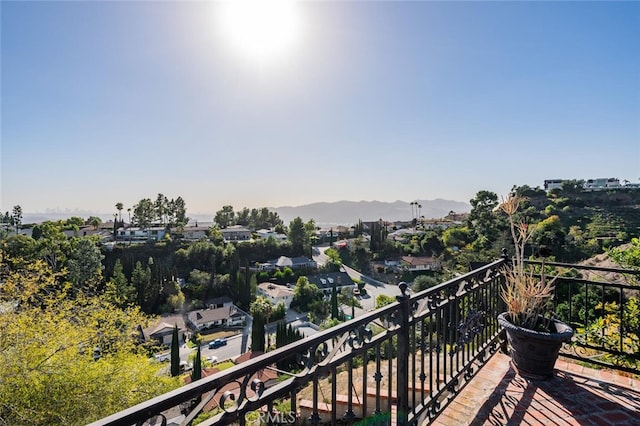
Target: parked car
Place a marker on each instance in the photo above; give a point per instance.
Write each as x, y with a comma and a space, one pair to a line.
163, 357
217, 343
212, 359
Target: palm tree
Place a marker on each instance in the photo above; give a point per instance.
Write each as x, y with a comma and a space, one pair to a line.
129, 210
119, 206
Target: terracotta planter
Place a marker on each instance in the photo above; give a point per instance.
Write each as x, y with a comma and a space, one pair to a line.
534, 353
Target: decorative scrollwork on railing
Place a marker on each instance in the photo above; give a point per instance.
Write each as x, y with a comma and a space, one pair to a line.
313, 355
472, 325
582, 348
232, 400
468, 328
467, 285
434, 301
468, 372
452, 388
358, 337
434, 408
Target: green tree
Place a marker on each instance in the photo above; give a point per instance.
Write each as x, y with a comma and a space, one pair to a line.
196, 373
617, 330
141, 280
161, 208
16, 217
306, 295
84, 265
144, 213
550, 233
297, 235
118, 290
423, 282
285, 334
384, 300
119, 207
178, 211
175, 352
482, 220
175, 302
94, 221
456, 237
627, 256
334, 261
74, 223
334, 301
225, 217
261, 309
53, 245
257, 334
47, 345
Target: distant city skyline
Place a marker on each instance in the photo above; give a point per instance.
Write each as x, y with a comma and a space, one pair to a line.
106, 102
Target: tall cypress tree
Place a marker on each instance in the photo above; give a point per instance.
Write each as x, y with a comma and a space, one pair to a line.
196, 373
257, 334
334, 302
175, 353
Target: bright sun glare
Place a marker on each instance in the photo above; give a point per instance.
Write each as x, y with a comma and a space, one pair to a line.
260, 29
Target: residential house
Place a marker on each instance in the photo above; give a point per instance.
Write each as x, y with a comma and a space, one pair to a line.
154, 233
212, 317
288, 262
276, 293
296, 262
326, 281
267, 233
420, 263
161, 330
194, 233
601, 184
550, 184
219, 302
236, 233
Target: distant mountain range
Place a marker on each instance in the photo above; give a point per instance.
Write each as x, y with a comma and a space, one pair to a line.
337, 213
349, 212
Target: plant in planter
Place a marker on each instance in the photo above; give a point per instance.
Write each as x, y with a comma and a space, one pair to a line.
534, 337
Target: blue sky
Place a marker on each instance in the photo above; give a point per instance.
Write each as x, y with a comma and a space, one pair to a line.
115, 101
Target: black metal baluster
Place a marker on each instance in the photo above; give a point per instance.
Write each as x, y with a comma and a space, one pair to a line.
403, 357
334, 394
349, 415
365, 390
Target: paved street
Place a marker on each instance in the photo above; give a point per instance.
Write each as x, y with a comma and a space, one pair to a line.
373, 288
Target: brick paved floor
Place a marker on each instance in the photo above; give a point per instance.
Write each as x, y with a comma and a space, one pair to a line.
575, 395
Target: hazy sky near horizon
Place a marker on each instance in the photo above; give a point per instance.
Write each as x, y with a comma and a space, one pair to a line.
115, 101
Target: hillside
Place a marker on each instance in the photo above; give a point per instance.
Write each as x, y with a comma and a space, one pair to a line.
603, 213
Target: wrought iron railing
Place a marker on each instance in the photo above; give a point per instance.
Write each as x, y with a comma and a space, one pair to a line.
402, 363
399, 364
602, 305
